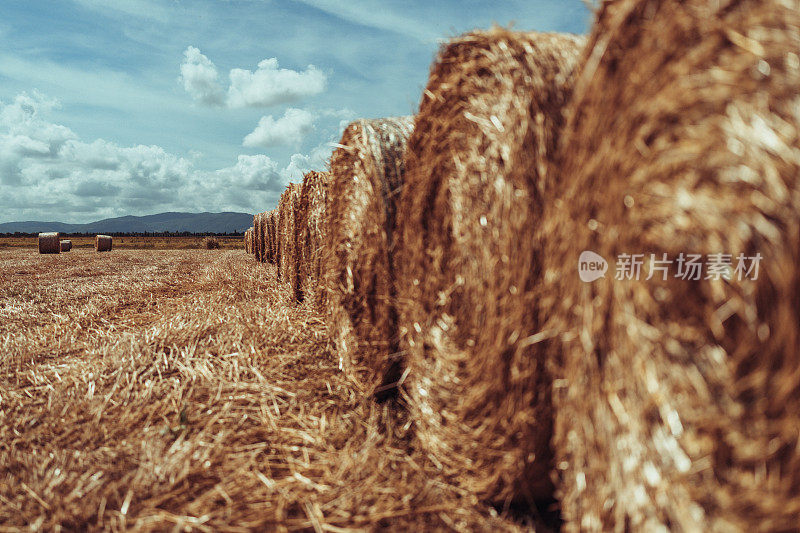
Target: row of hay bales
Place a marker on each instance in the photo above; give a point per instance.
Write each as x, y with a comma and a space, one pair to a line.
444, 247
51, 243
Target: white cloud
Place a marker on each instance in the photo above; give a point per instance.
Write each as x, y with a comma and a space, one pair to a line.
254, 173
266, 86
48, 172
270, 85
200, 78
288, 129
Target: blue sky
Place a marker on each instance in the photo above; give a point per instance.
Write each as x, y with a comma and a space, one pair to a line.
116, 107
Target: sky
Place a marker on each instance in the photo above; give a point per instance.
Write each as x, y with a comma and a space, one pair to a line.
134, 107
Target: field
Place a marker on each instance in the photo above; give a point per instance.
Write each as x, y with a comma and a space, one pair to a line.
158, 388
130, 242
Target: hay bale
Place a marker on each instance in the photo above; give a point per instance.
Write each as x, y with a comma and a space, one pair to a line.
468, 262
66, 245
102, 243
49, 243
287, 259
366, 177
298, 226
267, 251
270, 223
274, 234
255, 237
211, 243
248, 240
312, 231
678, 403
258, 243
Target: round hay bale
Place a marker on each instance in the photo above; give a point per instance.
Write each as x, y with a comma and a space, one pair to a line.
272, 235
678, 399
298, 227
288, 260
468, 261
312, 235
274, 240
102, 243
258, 242
49, 243
66, 245
248, 240
269, 236
255, 237
266, 245
366, 178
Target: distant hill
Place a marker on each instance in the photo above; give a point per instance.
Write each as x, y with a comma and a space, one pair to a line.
175, 222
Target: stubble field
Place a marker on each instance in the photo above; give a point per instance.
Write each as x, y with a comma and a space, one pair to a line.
130, 242
148, 389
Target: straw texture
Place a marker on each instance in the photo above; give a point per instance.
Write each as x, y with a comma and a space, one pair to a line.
366, 178
312, 235
468, 260
287, 260
678, 400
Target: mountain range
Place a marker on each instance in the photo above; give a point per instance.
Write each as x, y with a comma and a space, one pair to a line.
227, 222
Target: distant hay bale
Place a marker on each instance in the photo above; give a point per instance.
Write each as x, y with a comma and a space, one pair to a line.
270, 235
366, 177
49, 243
211, 243
269, 240
288, 260
66, 245
266, 248
678, 400
255, 237
102, 243
258, 241
297, 244
248, 240
468, 261
311, 235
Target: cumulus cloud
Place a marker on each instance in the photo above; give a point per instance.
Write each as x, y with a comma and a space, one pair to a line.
49, 173
253, 173
200, 78
266, 86
288, 129
270, 85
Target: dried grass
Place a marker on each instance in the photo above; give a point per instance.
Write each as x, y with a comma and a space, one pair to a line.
103, 243
467, 261
678, 402
161, 390
366, 178
49, 243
